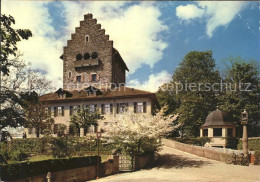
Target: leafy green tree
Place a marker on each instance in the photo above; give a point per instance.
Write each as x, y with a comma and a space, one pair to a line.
36, 114
236, 97
192, 79
83, 118
10, 113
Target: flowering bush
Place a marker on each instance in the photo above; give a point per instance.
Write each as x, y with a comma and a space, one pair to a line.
138, 133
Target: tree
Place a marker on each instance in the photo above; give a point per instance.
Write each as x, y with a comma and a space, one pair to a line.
236, 98
9, 39
83, 118
138, 133
36, 114
10, 110
193, 94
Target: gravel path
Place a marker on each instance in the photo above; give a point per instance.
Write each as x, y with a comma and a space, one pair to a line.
175, 165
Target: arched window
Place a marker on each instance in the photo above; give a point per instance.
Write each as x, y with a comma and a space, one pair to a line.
78, 57
86, 56
94, 55
87, 38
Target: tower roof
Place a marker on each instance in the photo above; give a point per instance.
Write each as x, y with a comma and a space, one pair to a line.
218, 118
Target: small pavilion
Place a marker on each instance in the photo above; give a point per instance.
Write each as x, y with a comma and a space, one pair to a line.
218, 127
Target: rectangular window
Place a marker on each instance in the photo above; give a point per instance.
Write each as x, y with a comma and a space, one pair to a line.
78, 78
59, 111
46, 110
94, 77
217, 132
121, 107
62, 110
139, 107
55, 111
92, 108
71, 110
49, 111
205, 132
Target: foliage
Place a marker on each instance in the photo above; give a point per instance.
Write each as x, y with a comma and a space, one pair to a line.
194, 106
18, 155
35, 114
26, 169
232, 142
138, 133
200, 141
61, 147
9, 39
83, 118
238, 72
253, 144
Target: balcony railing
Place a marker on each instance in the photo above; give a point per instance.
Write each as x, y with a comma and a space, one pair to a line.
86, 63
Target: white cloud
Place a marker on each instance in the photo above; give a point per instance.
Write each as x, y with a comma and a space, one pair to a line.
134, 29
153, 83
215, 14
189, 11
43, 49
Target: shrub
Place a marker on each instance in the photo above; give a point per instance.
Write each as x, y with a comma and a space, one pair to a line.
18, 155
200, 141
253, 144
26, 169
232, 142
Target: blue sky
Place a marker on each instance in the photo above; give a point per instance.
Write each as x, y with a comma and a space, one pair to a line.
152, 37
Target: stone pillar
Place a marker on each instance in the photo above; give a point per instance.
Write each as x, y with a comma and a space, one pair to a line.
81, 133
245, 141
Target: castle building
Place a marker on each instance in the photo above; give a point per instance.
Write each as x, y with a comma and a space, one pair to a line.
93, 75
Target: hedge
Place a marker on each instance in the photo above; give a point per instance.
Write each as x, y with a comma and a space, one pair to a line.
253, 144
26, 169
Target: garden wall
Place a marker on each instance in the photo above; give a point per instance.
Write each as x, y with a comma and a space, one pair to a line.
196, 150
80, 174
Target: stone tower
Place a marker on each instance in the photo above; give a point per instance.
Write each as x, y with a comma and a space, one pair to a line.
90, 58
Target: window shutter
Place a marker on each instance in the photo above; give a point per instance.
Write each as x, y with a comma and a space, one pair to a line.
135, 107
102, 109
111, 108
75, 79
98, 77
82, 78
62, 110
117, 108
144, 107
90, 78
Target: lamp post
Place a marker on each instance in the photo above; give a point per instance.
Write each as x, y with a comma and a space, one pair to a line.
98, 139
244, 121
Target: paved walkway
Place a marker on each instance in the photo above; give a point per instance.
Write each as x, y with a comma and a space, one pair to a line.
175, 165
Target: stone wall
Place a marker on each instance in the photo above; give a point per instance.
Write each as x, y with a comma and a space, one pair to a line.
196, 150
80, 174
143, 161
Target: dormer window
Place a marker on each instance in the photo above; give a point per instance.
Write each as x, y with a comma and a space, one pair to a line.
78, 57
87, 38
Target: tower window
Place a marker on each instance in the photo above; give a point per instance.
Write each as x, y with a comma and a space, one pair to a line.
94, 55
79, 57
94, 77
78, 79
86, 56
87, 38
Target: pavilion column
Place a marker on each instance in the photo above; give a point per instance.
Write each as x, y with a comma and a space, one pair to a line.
201, 132
210, 132
224, 132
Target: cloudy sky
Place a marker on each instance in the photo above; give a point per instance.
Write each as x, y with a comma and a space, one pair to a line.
152, 37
